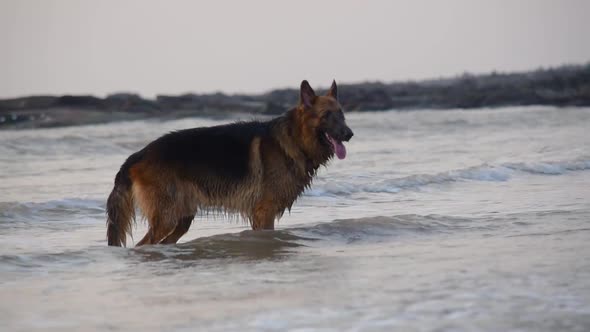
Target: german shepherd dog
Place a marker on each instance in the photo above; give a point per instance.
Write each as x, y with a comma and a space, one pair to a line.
255, 169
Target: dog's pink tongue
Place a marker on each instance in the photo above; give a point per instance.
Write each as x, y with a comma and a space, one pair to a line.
339, 148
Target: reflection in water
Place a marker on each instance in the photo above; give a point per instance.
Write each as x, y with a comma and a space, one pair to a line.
244, 245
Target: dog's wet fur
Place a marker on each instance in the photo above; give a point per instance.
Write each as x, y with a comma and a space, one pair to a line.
255, 169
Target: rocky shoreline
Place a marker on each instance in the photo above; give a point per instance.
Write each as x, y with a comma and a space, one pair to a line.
561, 86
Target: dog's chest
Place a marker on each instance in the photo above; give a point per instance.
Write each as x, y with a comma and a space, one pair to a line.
285, 177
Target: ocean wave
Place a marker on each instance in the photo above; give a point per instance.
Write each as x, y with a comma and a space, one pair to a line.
485, 172
550, 168
248, 244
56, 210
256, 245
374, 228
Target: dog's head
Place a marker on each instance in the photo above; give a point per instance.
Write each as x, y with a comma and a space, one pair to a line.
324, 116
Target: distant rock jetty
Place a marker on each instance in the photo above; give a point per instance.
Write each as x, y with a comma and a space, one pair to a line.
561, 86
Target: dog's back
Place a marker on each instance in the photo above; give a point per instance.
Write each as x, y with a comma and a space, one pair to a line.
209, 154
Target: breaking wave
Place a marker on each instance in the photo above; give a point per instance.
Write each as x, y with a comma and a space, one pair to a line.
485, 172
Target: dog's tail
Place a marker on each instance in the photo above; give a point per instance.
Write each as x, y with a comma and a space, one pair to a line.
120, 205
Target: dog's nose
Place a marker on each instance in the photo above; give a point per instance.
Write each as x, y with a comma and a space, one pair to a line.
348, 135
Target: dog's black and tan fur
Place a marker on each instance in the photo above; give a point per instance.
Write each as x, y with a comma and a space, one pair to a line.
256, 169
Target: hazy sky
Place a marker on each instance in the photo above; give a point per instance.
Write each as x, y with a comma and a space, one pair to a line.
151, 47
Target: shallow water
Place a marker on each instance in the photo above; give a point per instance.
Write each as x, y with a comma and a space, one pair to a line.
436, 220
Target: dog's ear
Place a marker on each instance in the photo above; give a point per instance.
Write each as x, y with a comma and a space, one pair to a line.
306, 95
333, 92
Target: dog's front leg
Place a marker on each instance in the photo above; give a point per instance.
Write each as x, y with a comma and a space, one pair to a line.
264, 215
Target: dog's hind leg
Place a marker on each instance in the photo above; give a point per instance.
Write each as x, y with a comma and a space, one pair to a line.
158, 230
181, 228
156, 234
161, 199
147, 239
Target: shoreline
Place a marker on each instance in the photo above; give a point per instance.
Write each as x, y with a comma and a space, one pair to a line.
561, 87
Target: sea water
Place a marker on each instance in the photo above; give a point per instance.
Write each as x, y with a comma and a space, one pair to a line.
440, 220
